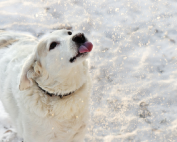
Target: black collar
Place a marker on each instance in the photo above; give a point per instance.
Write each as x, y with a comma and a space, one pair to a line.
52, 94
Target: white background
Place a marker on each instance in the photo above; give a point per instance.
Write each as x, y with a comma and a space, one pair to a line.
133, 62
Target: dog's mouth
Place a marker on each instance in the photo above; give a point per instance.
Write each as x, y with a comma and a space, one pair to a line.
83, 50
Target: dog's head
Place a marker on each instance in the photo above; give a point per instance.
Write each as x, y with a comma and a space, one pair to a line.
58, 57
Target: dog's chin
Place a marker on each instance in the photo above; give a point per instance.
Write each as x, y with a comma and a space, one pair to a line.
78, 56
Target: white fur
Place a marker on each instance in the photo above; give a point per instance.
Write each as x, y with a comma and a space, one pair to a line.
38, 117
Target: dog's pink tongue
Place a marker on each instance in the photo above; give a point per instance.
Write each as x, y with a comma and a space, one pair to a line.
86, 47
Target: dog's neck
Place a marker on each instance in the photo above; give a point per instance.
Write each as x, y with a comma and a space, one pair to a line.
53, 94
65, 84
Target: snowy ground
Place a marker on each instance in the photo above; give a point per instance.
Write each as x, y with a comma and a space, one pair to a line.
133, 64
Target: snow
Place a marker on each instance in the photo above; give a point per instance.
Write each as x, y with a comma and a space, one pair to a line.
133, 62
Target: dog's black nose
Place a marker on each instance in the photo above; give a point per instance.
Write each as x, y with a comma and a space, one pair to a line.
79, 38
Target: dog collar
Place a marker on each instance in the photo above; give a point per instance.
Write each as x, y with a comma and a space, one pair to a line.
52, 94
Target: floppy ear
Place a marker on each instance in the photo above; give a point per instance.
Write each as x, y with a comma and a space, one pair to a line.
30, 70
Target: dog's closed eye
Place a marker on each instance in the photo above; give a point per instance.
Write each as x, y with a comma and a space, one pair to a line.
53, 45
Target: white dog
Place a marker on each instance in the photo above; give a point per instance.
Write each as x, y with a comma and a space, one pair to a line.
45, 85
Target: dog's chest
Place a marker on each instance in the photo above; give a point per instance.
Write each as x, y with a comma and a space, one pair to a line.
54, 118
55, 130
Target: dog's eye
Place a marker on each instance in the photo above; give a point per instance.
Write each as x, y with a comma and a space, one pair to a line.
69, 33
53, 45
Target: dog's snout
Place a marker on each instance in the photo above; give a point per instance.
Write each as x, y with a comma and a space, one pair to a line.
79, 38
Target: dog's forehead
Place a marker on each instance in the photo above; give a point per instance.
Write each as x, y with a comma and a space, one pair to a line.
57, 35
60, 32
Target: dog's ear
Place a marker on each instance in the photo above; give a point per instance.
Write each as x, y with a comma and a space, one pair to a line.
30, 70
